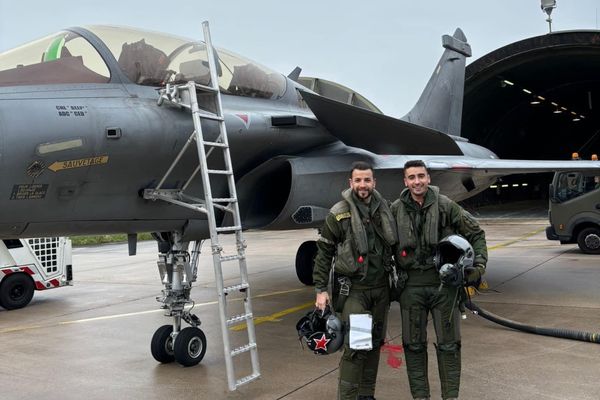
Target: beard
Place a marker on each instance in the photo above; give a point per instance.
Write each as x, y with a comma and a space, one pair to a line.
363, 194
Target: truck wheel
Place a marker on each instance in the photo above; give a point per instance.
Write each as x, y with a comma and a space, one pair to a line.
162, 344
589, 240
190, 346
16, 291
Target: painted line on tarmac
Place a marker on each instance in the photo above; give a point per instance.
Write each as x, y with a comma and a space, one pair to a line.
209, 303
114, 316
525, 236
276, 317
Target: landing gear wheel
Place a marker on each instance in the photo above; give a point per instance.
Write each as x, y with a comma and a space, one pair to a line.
16, 291
189, 346
305, 261
589, 240
162, 344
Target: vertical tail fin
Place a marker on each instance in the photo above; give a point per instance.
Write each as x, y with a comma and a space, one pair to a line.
440, 104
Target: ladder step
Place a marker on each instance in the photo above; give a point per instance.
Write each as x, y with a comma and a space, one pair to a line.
229, 228
224, 200
212, 117
206, 88
234, 288
215, 144
239, 318
243, 349
220, 171
231, 258
247, 379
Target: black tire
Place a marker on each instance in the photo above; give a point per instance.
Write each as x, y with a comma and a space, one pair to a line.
589, 240
16, 291
305, 262
190, 346
162, 344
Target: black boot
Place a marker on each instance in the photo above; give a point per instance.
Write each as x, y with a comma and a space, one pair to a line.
366, 398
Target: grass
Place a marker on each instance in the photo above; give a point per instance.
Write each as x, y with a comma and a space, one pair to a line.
100, 239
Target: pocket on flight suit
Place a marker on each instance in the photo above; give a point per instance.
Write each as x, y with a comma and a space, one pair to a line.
346, 262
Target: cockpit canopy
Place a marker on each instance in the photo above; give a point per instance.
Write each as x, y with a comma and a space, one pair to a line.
133, 56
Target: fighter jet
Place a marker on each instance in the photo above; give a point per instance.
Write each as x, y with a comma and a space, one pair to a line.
83, 138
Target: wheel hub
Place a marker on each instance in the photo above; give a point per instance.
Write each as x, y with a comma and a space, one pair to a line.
17, 292
169, 345
592, 241
195, 347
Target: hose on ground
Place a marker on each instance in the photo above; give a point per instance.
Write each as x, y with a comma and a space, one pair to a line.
555, 332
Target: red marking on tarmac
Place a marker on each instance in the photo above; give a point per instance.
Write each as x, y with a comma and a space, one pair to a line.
393, 360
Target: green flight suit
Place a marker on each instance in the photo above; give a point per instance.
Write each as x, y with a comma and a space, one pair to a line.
420, 228
369, 292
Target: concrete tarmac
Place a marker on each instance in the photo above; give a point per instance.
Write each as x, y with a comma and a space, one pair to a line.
92, 341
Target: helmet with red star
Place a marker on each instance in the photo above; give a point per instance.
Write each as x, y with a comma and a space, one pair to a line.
322, 331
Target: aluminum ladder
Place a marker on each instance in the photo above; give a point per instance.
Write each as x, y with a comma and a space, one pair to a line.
187, 96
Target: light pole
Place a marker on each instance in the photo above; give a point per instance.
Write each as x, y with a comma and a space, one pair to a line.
547, 7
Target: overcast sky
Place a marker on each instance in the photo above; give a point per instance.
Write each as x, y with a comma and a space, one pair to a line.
385, 50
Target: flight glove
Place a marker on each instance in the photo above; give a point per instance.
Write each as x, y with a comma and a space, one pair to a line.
473, 275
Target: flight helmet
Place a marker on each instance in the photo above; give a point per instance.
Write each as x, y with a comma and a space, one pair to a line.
322, 331
453, 254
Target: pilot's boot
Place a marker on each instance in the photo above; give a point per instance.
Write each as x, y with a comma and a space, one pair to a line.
366, 398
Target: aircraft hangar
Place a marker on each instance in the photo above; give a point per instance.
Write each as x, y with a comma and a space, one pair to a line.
535, 99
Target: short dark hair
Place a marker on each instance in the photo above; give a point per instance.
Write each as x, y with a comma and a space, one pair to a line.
361, 166
415, 163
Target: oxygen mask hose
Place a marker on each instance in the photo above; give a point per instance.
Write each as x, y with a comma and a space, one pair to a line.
555, 332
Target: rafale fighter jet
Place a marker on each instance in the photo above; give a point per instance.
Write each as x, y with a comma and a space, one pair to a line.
82, 138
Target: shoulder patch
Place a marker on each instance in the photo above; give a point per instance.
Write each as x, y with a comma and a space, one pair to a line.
340, 207
343, 215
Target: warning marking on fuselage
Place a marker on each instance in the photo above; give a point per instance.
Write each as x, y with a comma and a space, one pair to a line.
29, 191
80, 163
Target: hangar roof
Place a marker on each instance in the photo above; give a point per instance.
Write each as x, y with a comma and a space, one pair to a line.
537, 98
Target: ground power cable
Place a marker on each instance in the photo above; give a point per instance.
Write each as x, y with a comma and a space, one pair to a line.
554, 332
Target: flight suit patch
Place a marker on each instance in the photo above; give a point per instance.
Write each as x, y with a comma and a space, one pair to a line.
341, 216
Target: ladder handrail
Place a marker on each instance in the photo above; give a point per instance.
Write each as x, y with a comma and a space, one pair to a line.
173, 94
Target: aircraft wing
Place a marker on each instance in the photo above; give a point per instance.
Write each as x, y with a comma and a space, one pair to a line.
502, 167
461, 177
378, 133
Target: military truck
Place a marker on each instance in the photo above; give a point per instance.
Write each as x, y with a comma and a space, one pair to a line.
574, 210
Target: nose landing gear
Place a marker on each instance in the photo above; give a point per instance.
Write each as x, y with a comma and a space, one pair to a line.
178, 271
